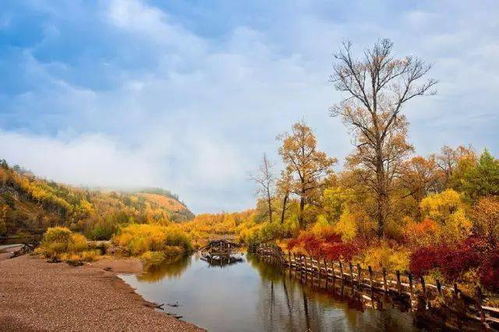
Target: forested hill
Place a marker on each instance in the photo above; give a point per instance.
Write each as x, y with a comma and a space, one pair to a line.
31, 204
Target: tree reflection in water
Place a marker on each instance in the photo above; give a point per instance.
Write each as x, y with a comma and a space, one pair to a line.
290, 305
256, 296
171, 268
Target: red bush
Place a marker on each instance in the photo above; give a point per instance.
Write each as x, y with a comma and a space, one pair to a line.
451, 261
489, 272
337, 251
424, 260
330, 246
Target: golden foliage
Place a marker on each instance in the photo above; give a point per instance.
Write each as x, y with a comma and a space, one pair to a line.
140, 238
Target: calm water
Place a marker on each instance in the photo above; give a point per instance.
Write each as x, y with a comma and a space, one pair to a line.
255, 296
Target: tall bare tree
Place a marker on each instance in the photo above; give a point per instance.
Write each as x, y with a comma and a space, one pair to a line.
306, 166
377, 87
264, 178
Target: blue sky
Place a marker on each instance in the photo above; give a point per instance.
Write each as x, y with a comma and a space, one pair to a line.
187, 95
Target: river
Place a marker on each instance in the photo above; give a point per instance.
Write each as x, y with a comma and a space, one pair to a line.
252, 295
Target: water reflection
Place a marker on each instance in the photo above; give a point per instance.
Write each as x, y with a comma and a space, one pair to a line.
170, 269
256, 296
225, 260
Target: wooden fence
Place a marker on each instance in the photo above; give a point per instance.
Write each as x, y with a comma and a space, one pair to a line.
400, 286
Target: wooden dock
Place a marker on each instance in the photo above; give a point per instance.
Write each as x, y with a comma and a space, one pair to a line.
428, 300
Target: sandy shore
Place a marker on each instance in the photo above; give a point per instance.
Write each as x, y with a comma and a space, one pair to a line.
39, 296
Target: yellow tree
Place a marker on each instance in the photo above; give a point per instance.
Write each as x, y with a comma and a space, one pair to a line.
419, 177
306, 166
486, 219
377, 87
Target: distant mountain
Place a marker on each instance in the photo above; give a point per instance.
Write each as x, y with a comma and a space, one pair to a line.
31, 204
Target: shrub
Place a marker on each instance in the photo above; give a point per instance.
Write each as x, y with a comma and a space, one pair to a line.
140, 238
102, 231
61, 243
89, 255
424, 259
385, 257
489, 272
59, 240
452, 262
329, 246
339, 251
424, 233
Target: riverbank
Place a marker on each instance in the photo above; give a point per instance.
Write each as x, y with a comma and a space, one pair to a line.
38, 296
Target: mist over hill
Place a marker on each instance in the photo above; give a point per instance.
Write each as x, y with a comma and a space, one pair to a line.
29, 204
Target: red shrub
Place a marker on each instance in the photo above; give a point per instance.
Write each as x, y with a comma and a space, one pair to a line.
332, 238
424, 260
489, 272
330, 246
337, 251
456, 261
451, 261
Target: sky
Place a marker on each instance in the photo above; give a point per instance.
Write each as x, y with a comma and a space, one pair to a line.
188, 95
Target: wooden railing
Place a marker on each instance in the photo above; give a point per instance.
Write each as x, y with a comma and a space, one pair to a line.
402, 286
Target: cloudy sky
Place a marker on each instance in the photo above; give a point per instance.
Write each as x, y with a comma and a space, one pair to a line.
187, 95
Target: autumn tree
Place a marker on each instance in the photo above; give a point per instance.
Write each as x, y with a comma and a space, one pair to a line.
377, 86
486, 219
482, 179
264, 178
453, 162
305, 165
419, 177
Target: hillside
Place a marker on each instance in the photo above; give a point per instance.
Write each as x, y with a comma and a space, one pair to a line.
30, 204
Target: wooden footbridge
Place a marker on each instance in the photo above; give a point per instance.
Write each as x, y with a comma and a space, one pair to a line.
440, 303
220, 252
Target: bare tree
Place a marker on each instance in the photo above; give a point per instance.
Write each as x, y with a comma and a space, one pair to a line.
264, 178
378, 86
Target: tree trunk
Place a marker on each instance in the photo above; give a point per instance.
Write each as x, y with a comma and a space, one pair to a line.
302, 207
381, 192
284, 203
269, 201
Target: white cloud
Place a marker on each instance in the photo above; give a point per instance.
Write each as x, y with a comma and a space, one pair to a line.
93, 159
197, 116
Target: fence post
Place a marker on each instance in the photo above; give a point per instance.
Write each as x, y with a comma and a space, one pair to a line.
456, 291
351, 272
370, 276
341, 270
384, 280
479, 304
332, 269
411, 286
399, 285
423, 288
439, 287
359, 274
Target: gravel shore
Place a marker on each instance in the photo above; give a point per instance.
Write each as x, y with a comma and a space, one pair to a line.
40, 296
